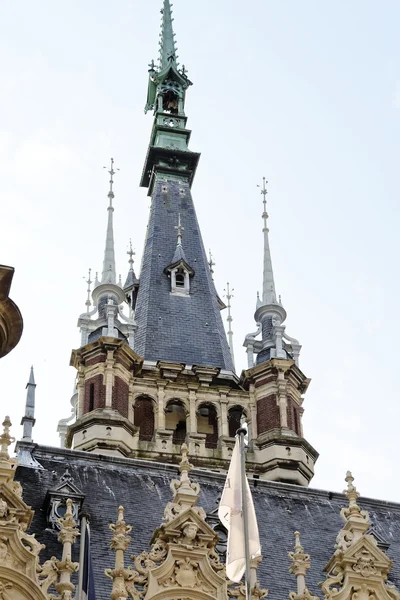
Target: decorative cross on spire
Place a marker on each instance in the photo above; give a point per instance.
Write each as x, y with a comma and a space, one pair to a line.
112, 173
131, 254
211, 263
179, 229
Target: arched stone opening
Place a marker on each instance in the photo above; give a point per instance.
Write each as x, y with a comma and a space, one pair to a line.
175, 419
143, 417
236, 418
207, 422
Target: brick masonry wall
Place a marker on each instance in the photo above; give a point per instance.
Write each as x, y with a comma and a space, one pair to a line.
268, 416
99, 393
101, 358
120, 397
144, 418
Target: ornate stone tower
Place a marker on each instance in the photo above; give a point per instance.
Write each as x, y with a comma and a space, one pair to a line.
165, 375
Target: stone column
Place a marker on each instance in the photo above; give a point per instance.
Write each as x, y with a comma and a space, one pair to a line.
282, 398
159, 415
109, 378
80, 386
253, 412
192, 409
223, 428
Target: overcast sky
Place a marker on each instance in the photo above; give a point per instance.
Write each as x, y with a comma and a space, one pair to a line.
305, 93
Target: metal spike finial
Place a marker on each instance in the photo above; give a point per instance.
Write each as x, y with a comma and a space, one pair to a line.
112, 173
131, 253
229, 295
180, 230
89, 283
269, 294
28, 420
109, 272
211, 263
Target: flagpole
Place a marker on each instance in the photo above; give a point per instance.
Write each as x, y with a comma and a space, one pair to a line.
84, 518
241, 433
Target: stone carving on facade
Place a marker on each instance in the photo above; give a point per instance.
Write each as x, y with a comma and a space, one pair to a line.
22, 577
358, 569
182, 562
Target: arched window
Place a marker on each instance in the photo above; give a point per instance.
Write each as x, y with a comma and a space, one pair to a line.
236, 417
207, 422
175, 419
143, 417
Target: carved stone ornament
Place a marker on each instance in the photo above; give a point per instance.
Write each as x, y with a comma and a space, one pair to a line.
358, 569
21, 575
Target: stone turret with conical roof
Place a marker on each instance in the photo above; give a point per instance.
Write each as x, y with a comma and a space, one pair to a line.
108, 296
270, 314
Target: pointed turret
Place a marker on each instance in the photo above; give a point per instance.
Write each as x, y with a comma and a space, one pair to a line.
28, 420
25, 446
270, 314
107, 318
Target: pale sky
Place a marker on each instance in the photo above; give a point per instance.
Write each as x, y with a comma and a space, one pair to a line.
305, 93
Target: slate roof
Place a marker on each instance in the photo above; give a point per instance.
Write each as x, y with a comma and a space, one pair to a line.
171, 327
143, 488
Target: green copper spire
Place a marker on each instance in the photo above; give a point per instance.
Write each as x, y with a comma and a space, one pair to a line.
167, 42
168, 150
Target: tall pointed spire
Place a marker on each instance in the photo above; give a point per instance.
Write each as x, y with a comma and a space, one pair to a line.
167, 38
28, 420
170, 327
270, 314
268, 295
109, 272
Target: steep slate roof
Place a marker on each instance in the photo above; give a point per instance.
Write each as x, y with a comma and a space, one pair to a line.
143, 489
171, 327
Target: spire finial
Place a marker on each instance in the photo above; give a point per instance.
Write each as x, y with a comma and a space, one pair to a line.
211, 263
131, 253
268, 295
109, 273
229, 295
112, 173
167, 38
89, 283
180, 230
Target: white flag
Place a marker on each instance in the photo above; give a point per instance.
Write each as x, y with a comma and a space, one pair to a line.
231, 516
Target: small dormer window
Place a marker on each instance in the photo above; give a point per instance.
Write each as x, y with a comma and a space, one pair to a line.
180, 281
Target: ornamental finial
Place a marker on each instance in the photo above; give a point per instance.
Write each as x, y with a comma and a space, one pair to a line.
131, 253
299, 567
180, 230
5, 439
112, 173
229, 295
89, 283
211, 263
